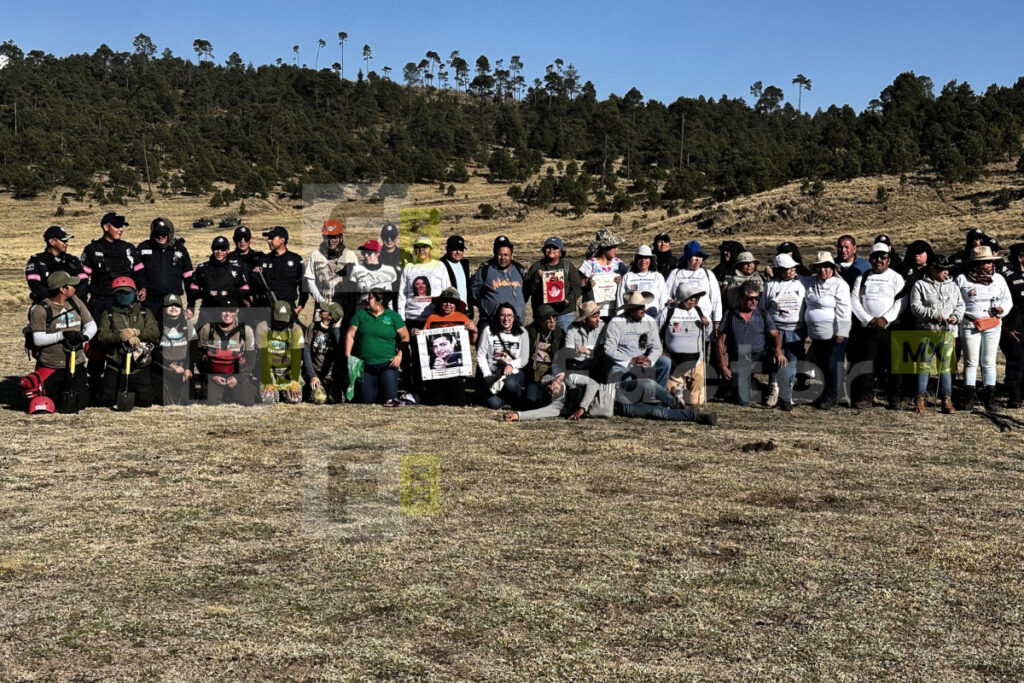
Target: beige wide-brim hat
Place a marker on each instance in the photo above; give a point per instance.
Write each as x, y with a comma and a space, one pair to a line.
587, 309
982, 254
636, 300
824, 258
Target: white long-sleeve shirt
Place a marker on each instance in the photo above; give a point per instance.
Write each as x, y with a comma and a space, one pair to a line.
978, 298
412, 306
651, 281
711, 303
874, 296
827, 309
515, 352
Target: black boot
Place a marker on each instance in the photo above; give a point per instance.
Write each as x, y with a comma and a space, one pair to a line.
988, 398
967, 399
1014, 401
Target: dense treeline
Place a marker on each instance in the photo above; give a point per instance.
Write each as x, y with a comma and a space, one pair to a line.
115, 124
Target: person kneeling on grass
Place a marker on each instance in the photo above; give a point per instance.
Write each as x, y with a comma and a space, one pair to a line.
281, 345
642, 398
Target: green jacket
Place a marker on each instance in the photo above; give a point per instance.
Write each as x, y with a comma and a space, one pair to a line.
115, 319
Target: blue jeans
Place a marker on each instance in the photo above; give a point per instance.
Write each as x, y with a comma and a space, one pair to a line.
792, 349
743, 370
945, 384
650, 390
510, 392
379, 379
659, 372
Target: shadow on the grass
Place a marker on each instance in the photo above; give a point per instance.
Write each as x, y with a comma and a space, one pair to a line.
11, 397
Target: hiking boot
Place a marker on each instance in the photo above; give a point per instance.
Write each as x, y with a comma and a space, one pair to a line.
786, 406
709, 419
773, 396
864, 404
967, 399
1014, 400
988, 398
947, 406
892, 403
822, 404
919, 404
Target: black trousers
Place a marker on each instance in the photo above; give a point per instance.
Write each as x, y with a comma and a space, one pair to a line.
875, 346
140, 383
61, 380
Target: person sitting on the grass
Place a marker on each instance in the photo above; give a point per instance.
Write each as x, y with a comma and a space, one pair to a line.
546, 340
642, 398
448, 310
742, 345
172, 357
323, 366
58, 325
632, 342
227, 350
503, 352
281, 344
584, 342
125, 329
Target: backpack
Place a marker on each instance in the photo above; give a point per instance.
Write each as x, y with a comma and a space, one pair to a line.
30, 345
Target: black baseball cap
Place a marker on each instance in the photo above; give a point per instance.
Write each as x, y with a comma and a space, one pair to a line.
115, 219
502, 241
55, 232
455, 243
161, 226
242, 233
220, 242
276, 231
389, 231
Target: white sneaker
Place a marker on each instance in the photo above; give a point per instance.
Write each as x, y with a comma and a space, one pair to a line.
773, 396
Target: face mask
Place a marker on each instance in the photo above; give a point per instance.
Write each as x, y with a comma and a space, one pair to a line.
125, 299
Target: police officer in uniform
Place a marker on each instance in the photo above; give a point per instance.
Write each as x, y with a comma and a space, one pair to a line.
244, 254
107, 258
215, 279
53, 258
282, 270
167, 262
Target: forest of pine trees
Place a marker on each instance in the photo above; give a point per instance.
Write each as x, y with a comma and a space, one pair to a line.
113, 125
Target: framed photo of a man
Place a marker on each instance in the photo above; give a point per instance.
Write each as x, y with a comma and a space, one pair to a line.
445, 352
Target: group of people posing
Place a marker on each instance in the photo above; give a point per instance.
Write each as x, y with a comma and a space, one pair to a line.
648, 338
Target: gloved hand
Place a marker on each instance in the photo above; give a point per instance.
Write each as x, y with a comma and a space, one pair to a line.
73, 339
129, 332
268, 388
294, 386
135, 342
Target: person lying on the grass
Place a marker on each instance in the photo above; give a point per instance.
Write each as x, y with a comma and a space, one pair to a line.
577, 396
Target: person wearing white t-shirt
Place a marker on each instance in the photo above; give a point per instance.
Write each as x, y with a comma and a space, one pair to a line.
783, 301
643, 277
876, 304
690, 271
827, 315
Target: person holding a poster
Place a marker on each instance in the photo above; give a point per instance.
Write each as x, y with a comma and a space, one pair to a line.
643, 277
503, 352
601, 273
546, 340
448, 312
554, 281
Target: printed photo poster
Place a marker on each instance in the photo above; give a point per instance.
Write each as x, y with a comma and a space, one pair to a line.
604, 288
445, 352
554, 286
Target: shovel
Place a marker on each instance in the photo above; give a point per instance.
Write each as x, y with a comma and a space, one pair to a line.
126, 399
69, 397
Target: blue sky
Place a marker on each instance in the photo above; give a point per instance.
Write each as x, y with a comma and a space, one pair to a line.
850, 50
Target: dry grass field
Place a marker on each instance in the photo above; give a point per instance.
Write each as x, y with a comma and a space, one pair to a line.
286, 543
